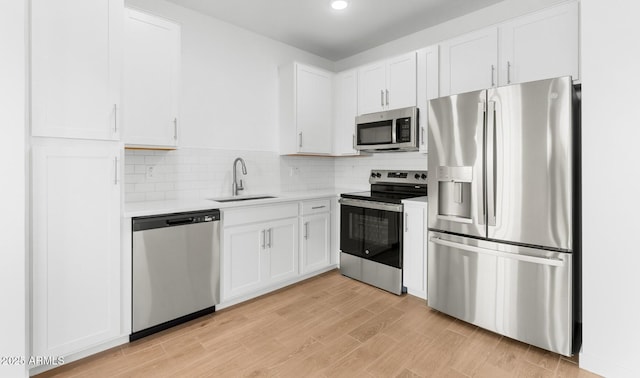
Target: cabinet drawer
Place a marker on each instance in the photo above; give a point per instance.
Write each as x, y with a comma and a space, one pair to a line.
315, 206
233, 217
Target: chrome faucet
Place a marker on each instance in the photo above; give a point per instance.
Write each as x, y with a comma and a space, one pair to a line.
235, 188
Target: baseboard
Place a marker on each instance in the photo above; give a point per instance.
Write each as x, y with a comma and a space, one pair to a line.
120, 340
605, 368
269, 289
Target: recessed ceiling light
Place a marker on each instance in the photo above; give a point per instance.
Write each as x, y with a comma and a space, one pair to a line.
339, 4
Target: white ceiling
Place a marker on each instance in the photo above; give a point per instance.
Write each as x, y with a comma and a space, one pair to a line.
313, 26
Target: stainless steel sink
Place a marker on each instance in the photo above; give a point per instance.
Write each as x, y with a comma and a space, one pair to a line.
240, 198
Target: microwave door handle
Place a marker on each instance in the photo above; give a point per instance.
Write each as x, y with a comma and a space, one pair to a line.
394, 137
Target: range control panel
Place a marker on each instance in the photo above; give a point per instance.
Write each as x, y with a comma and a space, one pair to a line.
379, 176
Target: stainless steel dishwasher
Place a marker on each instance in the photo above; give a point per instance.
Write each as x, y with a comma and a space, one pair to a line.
175, 269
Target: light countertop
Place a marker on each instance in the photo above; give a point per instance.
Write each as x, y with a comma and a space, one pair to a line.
422, 199
146, 208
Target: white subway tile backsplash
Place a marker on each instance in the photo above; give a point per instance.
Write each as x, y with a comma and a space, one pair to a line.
154, 196
196, 173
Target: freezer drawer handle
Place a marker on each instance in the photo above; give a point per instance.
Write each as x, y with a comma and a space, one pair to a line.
471, 248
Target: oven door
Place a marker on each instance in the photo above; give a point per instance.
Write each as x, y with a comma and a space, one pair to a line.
371, 230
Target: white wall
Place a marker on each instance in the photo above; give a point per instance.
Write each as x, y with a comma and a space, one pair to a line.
491, 15
229, 81
611, 187
13, 278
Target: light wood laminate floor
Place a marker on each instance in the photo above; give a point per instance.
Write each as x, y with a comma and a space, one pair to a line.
328, 326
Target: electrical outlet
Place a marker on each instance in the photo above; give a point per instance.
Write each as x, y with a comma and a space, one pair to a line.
149, 171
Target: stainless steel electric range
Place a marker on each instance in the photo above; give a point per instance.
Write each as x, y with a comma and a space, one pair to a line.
371, 225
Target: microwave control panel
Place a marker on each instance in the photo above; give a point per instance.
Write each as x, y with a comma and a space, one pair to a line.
403, 130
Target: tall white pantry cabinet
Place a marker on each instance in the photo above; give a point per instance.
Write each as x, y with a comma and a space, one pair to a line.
76, 60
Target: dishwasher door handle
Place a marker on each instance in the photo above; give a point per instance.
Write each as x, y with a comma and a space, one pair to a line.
178, 222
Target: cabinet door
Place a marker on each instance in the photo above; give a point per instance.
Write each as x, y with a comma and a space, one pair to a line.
428, 88
345, 112
244, 257
469, 62
75, 68
76, 247
372, 83
313, 110
414, 257
151, 79
282, 245
315, 242
540, 46
401, 82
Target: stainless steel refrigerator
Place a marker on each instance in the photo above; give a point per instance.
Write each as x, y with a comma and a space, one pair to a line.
503, 203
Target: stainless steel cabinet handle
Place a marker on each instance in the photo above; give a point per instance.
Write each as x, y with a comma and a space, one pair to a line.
493, 75
387, 92
406, 222
471, 248
306, 230
354, 141
175, 129
317, 207
381, 97
263, 237
269, 238
508, 72
115, 170
300, 139
115, 118
422, 136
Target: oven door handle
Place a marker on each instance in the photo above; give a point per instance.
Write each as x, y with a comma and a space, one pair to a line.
396, 208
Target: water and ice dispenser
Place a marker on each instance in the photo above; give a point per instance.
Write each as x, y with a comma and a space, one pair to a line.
454, 193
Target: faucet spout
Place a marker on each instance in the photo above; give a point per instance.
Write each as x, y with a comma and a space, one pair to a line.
235, 187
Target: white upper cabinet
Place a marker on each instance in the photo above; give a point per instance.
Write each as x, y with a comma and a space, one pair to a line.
469, 62
428, 88
151, 80
372, 84
390, 84
76, 246
76, 59
539, 46
306, 111
345, 110
401, 81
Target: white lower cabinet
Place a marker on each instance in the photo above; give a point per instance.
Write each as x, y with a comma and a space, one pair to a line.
76, 246
260, 254
267, 247
414, 264
282, 250
315, 242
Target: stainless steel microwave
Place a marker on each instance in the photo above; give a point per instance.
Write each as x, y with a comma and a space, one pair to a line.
388, 131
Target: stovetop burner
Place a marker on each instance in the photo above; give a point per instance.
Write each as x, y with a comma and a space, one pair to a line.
393, 186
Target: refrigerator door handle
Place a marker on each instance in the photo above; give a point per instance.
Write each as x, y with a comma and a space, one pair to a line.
532, 259
491, 163
482, 116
